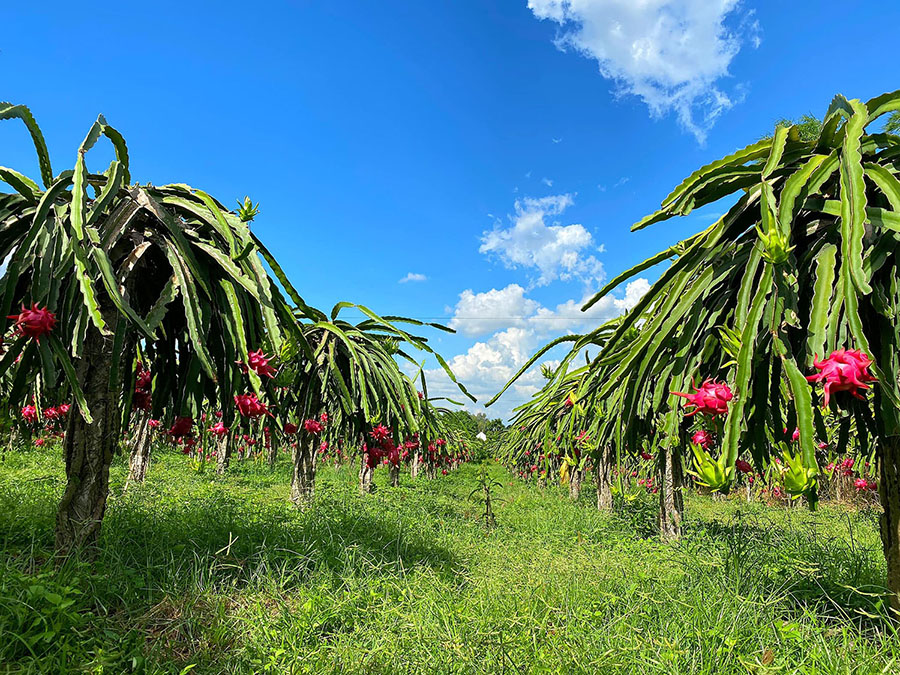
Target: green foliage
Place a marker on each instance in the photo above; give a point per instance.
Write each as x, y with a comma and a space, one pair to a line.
247, 210
803, 263
485, 486
221, 574
352, 372
808, 127
171, 275
558, 421
892, 126
165, 271
466, 426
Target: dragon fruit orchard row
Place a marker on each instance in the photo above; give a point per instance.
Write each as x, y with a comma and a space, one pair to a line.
37, 321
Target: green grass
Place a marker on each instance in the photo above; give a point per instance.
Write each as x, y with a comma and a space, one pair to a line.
223, 574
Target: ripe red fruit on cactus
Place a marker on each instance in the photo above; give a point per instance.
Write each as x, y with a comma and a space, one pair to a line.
218, 429
34, 322
844, 370
646, 455
153, 424
259, 363
181, 427
702, 438
373, 455
290, 428
312, 426
743, 466
393, 456
380, 433
143, 378
142, 400
29, 413
711, 398
250, 406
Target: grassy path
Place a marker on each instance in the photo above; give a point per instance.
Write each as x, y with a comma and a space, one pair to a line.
223, 574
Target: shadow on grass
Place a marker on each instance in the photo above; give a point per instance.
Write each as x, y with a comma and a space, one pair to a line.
819, 568
172, 559
238, 540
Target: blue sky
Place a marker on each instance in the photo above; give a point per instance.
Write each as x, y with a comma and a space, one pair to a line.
499, 149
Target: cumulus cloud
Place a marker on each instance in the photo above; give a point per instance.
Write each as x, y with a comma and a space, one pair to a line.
482, 313
670, 53
568, 317
412, 276
556, 251
489, 364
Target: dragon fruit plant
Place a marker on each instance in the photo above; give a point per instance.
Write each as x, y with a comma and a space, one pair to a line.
107, 272
802, 275
556, 432
350, 384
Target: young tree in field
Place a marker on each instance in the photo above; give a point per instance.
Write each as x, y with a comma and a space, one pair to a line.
100, 269
790, 300
351, 374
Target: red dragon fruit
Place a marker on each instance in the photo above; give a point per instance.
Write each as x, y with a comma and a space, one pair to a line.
259, 363
380, 433
250, 406
702, 438
312, 427
181, 427
844, 370
218, 429
34, 322
743, 466
711, 398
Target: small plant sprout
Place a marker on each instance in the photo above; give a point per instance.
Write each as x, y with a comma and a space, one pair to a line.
247, 210
484, 486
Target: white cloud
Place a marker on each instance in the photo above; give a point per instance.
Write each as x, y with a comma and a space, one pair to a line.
547, 182
670, 53
489, 364
556, 251
478, 314
482, 313
412, 276
568, 317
